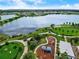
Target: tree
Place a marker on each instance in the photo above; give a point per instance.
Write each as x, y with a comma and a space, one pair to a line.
37, 37
32, 45
5, 21
67, 31
64, 56
0, 46
20, 49
73, 24
0, 17
63, 30
67, 23
72, 31
59, 29
76, 40
14, 47
52, 25
7, 43
29, 55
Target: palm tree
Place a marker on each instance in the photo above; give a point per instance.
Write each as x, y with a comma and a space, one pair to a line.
72, 31
67, 23
67, 31
73, 23
0, 17
52, 25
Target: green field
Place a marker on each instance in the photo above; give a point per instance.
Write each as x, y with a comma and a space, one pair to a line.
70, 31
11, 51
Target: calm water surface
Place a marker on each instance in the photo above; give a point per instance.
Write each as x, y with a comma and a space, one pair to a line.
25, 25
4, 17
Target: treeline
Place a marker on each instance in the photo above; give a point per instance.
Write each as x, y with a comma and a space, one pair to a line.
72, 24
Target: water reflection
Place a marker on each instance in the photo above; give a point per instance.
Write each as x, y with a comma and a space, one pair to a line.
21, 25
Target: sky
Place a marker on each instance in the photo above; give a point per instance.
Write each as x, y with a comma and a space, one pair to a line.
39, 4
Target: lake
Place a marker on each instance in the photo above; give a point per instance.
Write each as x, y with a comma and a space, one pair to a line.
4, 17
25, 25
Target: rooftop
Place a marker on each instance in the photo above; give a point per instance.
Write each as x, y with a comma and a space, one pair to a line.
66, 47
46, 48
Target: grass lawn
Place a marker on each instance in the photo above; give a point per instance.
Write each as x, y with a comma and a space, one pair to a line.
11, 51
66, 31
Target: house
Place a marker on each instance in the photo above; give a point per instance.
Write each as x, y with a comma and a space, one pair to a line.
46, 49
66, 47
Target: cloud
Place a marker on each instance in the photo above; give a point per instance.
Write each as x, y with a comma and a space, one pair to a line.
36, 1
67, 6
18, 4
37, 4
